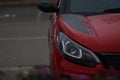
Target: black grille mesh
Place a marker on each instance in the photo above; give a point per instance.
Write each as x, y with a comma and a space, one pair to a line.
110, 60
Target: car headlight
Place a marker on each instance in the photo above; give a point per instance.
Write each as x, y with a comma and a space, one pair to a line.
76, 53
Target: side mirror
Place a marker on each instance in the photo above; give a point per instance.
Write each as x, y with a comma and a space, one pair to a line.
47, 7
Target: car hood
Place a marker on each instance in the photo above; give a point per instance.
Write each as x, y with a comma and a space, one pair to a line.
99, 33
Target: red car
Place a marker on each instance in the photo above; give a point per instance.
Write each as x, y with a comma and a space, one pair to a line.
84, 36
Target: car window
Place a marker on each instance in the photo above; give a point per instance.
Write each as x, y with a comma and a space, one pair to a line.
93, 5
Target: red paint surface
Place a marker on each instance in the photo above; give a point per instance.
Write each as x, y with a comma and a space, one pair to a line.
104, 37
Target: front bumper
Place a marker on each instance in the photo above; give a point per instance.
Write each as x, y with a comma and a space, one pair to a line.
63, 67
71, 69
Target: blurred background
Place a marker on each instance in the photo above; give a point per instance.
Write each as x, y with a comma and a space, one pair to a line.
23, 36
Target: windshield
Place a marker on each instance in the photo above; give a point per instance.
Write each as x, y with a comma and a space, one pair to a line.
93, 5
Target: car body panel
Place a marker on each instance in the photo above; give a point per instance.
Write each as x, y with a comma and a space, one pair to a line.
90, 40
102, 30
107, 29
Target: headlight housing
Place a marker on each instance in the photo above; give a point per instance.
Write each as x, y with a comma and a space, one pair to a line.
76, 53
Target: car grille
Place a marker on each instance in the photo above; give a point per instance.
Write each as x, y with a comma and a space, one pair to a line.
110, 60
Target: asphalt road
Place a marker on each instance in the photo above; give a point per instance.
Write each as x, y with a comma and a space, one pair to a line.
23, 36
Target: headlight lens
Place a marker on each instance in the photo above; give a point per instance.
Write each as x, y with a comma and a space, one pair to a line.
76, 53
71, 50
